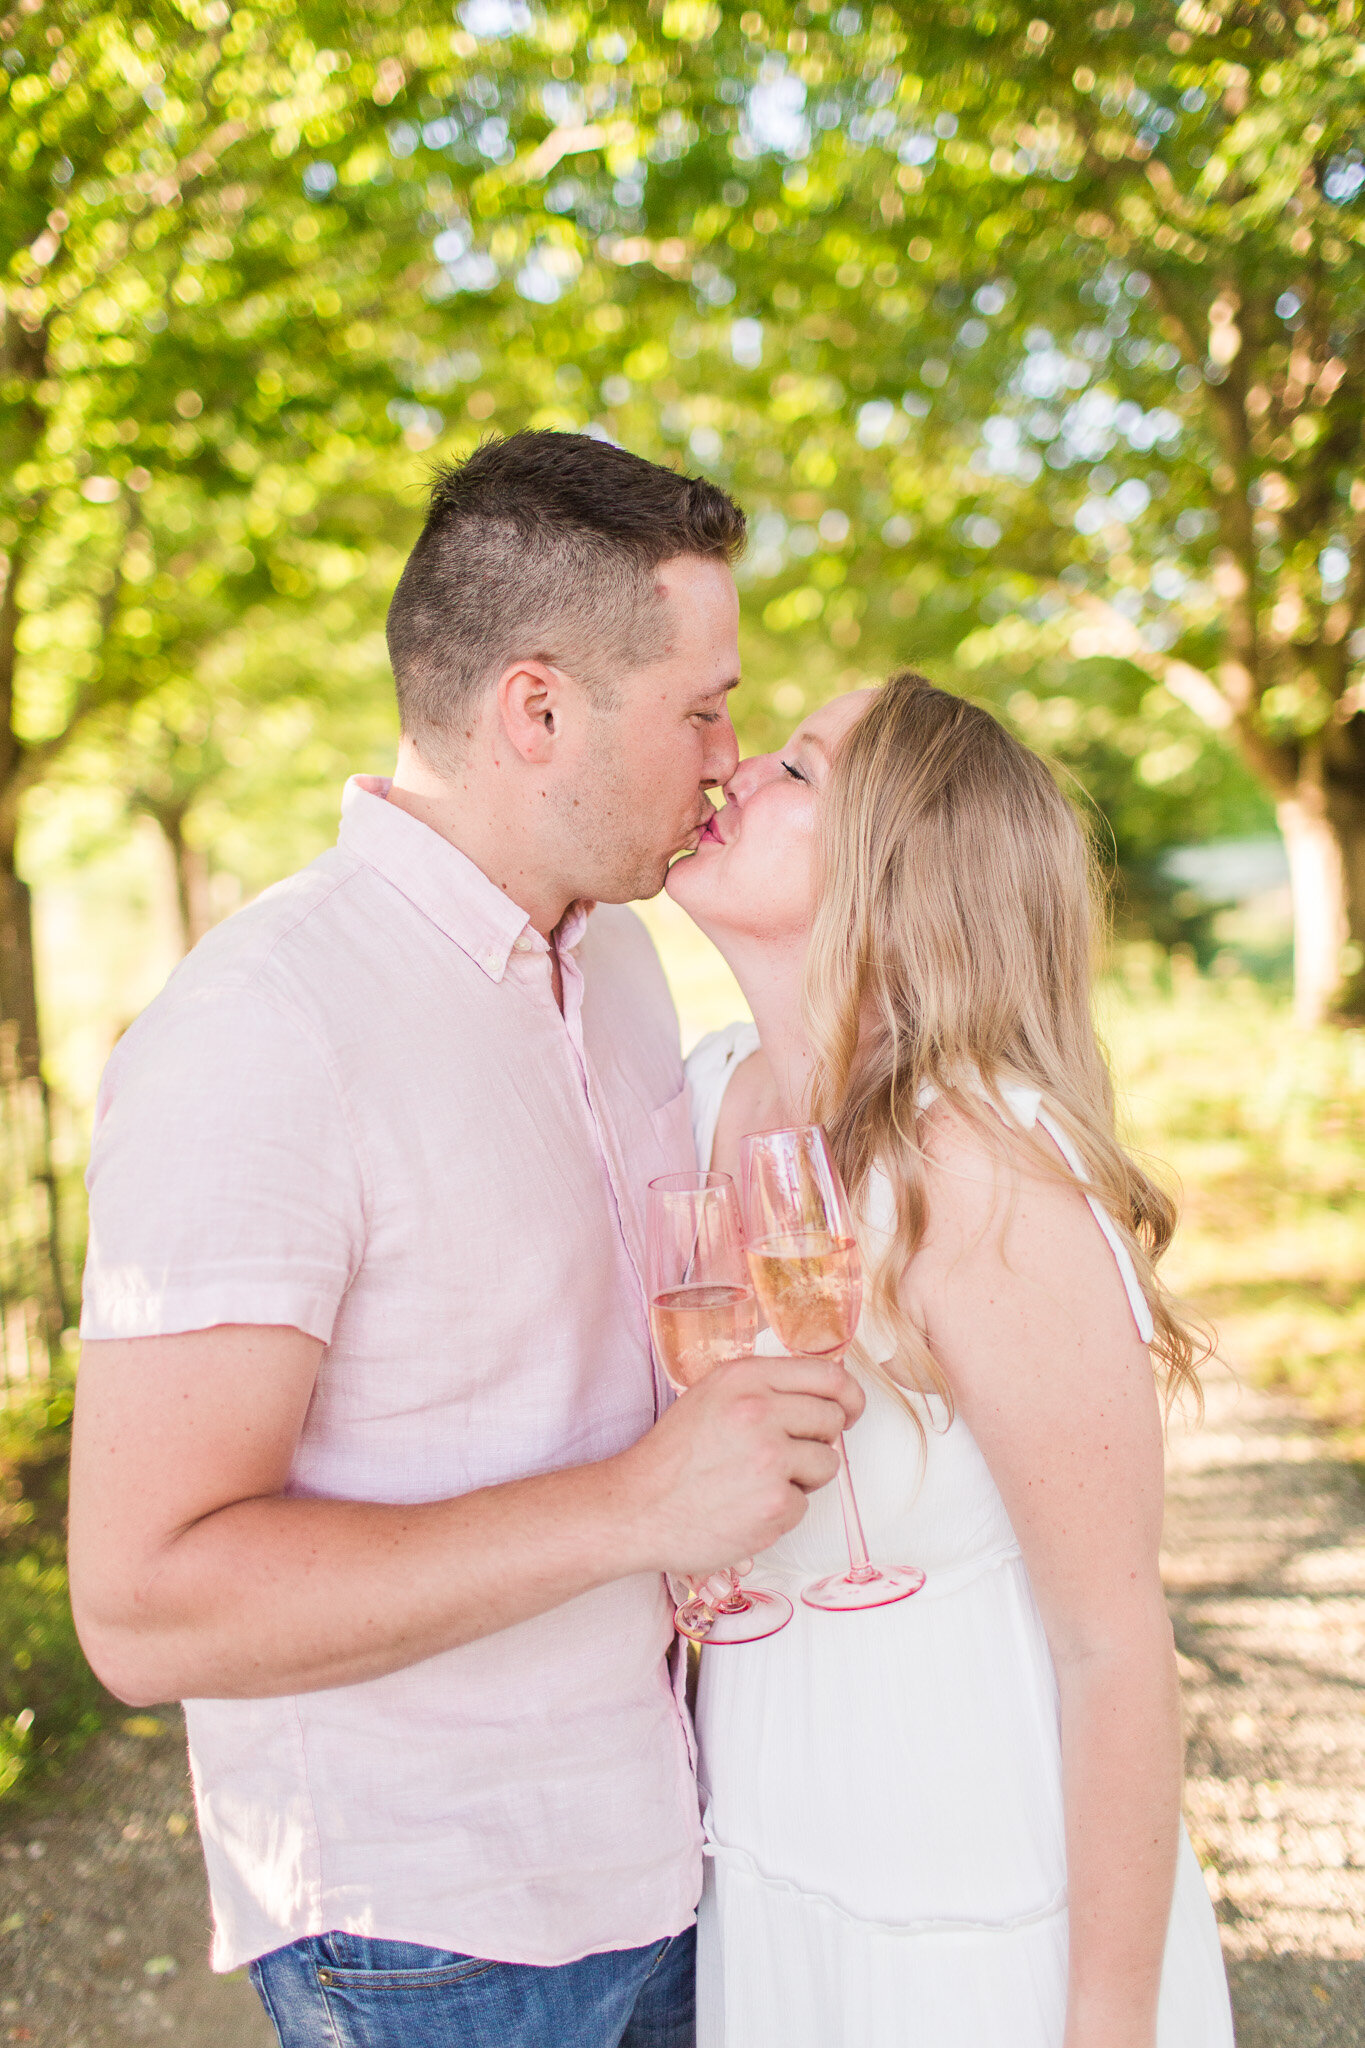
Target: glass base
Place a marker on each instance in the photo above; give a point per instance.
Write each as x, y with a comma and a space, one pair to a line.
845, 1593
754, 1616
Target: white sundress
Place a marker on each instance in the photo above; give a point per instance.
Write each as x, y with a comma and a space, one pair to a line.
882, 1790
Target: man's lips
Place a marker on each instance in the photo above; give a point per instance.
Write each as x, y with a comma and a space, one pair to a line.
708, 833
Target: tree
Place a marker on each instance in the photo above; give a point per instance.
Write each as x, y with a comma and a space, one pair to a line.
1034, 345
1216, 152
1074, 304
207, 253
239, 761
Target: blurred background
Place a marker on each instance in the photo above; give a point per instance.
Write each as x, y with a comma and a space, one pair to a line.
1034, 347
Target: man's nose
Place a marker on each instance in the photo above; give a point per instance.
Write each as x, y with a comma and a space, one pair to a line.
722, 756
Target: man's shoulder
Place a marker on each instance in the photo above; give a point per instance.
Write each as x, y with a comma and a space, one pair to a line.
270, 948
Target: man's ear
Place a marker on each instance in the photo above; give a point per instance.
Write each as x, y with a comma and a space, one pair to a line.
530, 699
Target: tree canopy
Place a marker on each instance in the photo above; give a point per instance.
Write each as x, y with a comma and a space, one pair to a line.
1033, 346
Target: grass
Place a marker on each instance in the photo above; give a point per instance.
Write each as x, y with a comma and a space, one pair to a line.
1264, 1126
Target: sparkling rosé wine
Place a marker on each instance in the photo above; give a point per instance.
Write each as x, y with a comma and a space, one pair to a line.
699, 1327
810, 1286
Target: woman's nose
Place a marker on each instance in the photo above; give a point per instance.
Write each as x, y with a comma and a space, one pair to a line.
749, 776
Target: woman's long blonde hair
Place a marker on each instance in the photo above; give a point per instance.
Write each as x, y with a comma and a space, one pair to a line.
952, 946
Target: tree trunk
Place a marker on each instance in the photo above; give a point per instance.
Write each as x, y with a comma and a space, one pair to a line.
190, 863
1317, 882
32, 1303
18, 998
18, 990
192, 890
1344, 787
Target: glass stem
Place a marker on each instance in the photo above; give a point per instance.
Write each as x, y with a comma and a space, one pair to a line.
861, 1567
734, 1602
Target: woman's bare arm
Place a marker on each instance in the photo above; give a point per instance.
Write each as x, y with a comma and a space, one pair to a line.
1024, 1308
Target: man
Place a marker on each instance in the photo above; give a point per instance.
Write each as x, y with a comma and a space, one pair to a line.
371, 1464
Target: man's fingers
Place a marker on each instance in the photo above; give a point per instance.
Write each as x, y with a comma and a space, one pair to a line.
813, 1465
805, 1415
825, 1378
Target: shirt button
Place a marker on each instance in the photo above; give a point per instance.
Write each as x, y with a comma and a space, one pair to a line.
492, 962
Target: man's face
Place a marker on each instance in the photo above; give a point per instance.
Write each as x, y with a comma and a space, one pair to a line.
637, 794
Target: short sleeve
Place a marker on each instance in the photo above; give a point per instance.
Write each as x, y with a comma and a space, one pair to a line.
224, 1182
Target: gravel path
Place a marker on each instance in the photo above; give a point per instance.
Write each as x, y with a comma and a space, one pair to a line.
102, 1915
1265, 1566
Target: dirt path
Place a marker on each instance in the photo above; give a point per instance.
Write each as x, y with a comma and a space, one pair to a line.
102, 1915
1265, 1565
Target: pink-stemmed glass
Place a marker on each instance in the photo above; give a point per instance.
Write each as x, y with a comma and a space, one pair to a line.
804, 1260
702, 1314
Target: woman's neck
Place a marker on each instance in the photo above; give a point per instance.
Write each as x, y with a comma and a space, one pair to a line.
769, 974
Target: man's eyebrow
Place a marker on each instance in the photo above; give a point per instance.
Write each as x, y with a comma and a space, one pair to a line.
721, 689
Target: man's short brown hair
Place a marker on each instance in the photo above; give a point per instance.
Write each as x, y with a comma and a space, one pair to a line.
542, 546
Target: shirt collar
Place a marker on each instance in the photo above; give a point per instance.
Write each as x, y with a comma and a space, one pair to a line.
440, 881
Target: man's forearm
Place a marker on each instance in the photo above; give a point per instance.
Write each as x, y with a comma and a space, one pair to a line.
284, 1595
194, 1575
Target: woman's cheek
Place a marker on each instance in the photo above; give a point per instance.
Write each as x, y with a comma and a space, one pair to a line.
785, 889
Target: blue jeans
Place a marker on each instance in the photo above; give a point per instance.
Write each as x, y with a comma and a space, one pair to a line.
347, 1991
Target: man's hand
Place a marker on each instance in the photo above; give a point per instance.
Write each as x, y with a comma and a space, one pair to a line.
728, 1468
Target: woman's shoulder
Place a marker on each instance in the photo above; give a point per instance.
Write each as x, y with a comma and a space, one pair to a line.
709, 1067
1016, 1193
718, 1052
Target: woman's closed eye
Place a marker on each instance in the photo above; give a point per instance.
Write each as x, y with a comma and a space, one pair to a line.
795, 773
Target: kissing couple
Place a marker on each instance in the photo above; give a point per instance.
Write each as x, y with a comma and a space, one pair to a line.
374, 1466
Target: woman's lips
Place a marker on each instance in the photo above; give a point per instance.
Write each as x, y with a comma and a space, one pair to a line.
709, 834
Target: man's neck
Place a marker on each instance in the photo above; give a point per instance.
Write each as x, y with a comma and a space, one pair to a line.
478, 819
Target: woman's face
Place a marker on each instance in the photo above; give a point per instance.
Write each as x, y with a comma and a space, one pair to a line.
754, 871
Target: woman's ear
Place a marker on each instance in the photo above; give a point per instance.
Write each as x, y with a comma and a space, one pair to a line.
530, 705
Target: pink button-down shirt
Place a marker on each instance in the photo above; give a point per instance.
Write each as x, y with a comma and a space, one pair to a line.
357, 1109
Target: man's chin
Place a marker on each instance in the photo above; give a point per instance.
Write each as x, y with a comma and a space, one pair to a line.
635, 885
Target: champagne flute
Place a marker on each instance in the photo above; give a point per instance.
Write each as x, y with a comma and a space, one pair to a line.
804, 1260
702, 1313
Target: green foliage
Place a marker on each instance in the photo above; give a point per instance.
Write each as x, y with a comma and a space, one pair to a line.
196, 355
1005, 286
958, 302
50, 1700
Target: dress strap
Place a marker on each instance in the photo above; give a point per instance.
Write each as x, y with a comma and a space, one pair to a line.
1026, 1106
709, 1066
1123, 1258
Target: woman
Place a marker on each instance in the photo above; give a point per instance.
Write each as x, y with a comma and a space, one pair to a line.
952, 1822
